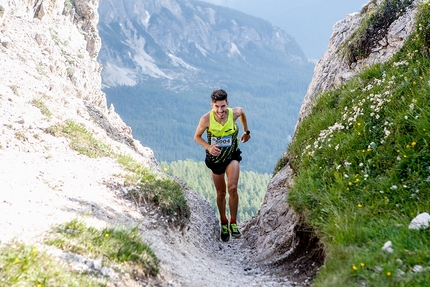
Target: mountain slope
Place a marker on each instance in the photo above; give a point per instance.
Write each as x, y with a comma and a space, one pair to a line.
162, 59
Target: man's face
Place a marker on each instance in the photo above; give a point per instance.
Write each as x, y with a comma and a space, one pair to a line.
220, 108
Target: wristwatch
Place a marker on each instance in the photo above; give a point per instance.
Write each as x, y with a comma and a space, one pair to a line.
247, 133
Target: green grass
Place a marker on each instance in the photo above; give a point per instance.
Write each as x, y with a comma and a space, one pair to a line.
22, 265
119, 248
163, 192
362, 160
40, 104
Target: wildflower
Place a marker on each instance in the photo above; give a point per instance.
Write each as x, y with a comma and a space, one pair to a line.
388, 273
90, 212
358, 133
407, 146
362, 264
34, 250
354, 267
357, 180
107, 235
405, 156
349, 183
17, 260
406, 117
359, 205
413, 144
394, 187
166, 169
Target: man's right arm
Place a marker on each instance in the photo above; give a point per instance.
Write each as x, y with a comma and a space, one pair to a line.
201, 128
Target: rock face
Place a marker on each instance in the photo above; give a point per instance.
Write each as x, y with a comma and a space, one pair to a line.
333, 69
49, 51
274, 233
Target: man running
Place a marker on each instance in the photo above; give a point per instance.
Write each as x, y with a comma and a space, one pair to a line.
223, 155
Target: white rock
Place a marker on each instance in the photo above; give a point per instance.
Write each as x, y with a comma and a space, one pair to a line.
388, 247
420, 222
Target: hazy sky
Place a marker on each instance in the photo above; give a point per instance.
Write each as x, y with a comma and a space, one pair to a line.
310, 22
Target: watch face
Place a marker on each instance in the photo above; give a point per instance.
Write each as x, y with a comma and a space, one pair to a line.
247, 132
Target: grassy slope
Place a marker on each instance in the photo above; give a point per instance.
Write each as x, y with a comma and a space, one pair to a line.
363, 170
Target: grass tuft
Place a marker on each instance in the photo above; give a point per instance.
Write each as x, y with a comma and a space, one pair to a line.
113, 245
22, 265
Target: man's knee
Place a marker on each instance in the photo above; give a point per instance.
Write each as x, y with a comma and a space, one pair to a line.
232, 189
221, 193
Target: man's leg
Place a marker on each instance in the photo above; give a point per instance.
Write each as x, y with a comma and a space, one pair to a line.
219, 182
220, 187
233, 170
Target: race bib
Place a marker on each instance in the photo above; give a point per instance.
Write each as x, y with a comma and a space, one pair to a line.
222, 141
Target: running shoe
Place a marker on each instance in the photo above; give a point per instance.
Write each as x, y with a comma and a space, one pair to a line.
225, 233
234, 230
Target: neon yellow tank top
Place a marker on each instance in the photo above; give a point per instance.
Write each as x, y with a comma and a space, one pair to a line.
224, 136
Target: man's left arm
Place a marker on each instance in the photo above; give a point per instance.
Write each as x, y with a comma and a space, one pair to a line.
240, 113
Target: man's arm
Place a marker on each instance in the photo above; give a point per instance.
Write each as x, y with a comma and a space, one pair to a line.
240, 113
201, 128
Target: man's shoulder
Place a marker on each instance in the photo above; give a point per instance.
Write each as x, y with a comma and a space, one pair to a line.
205, 118
237, 112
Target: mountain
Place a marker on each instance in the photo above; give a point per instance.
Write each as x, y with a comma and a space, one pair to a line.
162, 59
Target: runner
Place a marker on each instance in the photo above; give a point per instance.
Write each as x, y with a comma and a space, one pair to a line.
223, 155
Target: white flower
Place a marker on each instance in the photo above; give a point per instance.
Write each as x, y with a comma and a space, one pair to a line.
394, 187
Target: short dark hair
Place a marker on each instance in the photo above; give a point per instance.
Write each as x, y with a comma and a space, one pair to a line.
218, 95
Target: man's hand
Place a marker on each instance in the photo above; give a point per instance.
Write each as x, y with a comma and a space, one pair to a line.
214, 150
245, 137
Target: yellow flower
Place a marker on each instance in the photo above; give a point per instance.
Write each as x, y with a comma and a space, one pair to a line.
17, 260
166, 169
362, 264
359, 205
388, 273
39, 285
90, 212
407, 146
354, 267
413, 144
358, 133
405, 155
34, 250
358, 124
107, 235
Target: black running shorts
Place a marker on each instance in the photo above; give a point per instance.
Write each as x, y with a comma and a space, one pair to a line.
219, 168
